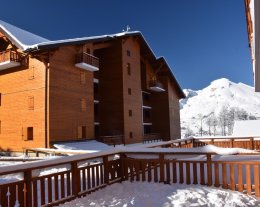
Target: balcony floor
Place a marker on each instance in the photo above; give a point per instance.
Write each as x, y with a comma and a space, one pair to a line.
8, 64
86, 66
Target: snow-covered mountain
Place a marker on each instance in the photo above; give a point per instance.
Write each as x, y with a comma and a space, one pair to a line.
202, 104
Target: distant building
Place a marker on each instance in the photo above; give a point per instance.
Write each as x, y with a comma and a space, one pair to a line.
83, 88
253, 28
246, 128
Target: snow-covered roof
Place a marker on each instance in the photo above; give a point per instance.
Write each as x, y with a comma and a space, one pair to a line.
21, 38
247, 128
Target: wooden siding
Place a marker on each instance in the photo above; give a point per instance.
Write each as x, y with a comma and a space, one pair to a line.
66, 94
132, 81
16, 85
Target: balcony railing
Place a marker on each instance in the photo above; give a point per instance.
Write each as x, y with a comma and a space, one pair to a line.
87, 61
9, 59
156, 86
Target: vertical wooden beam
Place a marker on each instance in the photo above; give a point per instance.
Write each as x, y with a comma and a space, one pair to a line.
161, 161
75, 178
256, 178
209, 170
106, 170
28, 188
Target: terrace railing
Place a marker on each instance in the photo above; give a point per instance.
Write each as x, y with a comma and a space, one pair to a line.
52, 182
87, 58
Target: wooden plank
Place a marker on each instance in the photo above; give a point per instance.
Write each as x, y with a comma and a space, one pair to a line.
34, 191
168, 173
174, 173
256, 179
216, 170
97, 175
93, 177
56, 187
12, 197
240, 178
49, 189
102, 173
161, 161
202, 174
83, 179
181, 171
3, 198
248, 180
88, 178
188, 172
156, 179
224, 176
20, 188
232, 177
195, 174
42, 183
137, 170
62, 192
143, 169
68, 183
209, 170
130, 162
149, 172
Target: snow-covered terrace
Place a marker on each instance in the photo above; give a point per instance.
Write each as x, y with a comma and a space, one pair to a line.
55, 181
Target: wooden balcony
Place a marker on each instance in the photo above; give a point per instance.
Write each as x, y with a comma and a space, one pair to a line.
87, 62
10, 59
156, 86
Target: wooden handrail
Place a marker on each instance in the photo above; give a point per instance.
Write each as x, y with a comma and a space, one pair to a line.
10, 55
87, 58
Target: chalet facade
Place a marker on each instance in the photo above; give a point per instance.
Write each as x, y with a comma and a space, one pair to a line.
84, 88
252, 8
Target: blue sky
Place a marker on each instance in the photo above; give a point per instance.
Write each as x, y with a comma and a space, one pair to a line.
202, 40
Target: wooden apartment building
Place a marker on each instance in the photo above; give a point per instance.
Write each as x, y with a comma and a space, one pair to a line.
83, 88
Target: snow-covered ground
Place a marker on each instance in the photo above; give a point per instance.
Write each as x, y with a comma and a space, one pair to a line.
144, 194
212, 99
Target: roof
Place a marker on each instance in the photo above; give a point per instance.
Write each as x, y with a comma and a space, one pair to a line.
21, 38
29, 42
246, 128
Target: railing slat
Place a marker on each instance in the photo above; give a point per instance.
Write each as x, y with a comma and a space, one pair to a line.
62, 193
256, 179
240, 177
42, 184
232, 177
248, 180
224, 176
195, 175
216, 168
174, 173
202, 174
181, 171
188, 172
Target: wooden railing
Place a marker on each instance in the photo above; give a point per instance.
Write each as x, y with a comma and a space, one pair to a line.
10, 55
152, 137
87, 58
76, 176
112, 139
242, 176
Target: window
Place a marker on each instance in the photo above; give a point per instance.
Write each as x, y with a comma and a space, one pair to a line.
30, 102
128, 52
146, 96
83, 77
131, 135
130, 113
128, 68
129, 91
83, 104
29, 133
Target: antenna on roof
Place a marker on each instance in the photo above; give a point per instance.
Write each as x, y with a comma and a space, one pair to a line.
127, 28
